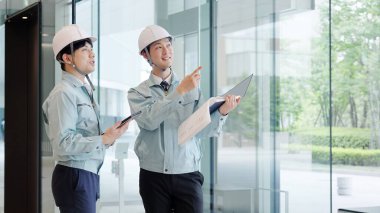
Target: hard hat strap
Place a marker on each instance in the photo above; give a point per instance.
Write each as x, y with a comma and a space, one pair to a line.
90, 82
148, 56
77, 69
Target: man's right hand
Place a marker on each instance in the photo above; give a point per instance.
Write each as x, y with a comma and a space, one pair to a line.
190, 82
111, 134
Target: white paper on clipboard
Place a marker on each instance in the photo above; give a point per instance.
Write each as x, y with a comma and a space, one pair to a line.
202, 117
197, 121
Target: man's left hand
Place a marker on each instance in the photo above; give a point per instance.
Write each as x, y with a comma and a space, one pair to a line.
230, 103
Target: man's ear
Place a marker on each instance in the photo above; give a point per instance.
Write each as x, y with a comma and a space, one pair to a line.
66, 58
143, 53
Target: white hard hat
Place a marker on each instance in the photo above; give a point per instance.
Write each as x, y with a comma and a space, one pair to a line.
68, 34
151, 34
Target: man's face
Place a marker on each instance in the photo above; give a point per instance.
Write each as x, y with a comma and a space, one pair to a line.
84, 59
161, 52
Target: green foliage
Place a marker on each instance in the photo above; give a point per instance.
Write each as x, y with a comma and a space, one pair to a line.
341, 137
289, 102
350, 146
354, 40
346, 156
305, 100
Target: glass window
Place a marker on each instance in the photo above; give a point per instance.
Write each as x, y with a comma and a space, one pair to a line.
54, 16
274, 153
237, 147
16, 5
287, 115
176, 6
49, 68
191, 52
355, 61
120, 68
302, 84
2, 11
256, 164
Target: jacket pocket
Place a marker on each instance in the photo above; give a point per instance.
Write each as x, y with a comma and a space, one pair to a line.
186, 107
86, 116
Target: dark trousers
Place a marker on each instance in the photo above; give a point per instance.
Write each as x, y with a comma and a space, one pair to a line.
75, 190
161, 193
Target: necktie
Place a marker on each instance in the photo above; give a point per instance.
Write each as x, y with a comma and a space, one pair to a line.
165, 85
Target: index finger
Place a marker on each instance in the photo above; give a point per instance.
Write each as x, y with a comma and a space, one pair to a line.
196, 70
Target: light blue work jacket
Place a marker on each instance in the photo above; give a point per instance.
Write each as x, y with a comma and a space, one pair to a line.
157, 143
72, 125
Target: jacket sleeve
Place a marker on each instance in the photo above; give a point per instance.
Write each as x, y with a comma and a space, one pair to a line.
154, 110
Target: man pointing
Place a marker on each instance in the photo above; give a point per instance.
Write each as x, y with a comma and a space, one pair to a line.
169, 176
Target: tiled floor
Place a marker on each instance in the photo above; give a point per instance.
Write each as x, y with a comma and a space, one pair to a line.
297, 177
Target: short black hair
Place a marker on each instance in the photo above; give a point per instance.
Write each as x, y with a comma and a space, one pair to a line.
67, 49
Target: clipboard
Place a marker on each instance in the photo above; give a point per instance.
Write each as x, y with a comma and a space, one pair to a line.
239, 90
202, 116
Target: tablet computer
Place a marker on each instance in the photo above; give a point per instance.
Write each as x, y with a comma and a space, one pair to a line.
129, 118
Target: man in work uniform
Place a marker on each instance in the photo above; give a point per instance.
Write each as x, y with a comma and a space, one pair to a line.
169, 172
71, 117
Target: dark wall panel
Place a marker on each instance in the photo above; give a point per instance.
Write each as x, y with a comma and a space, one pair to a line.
22, 100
